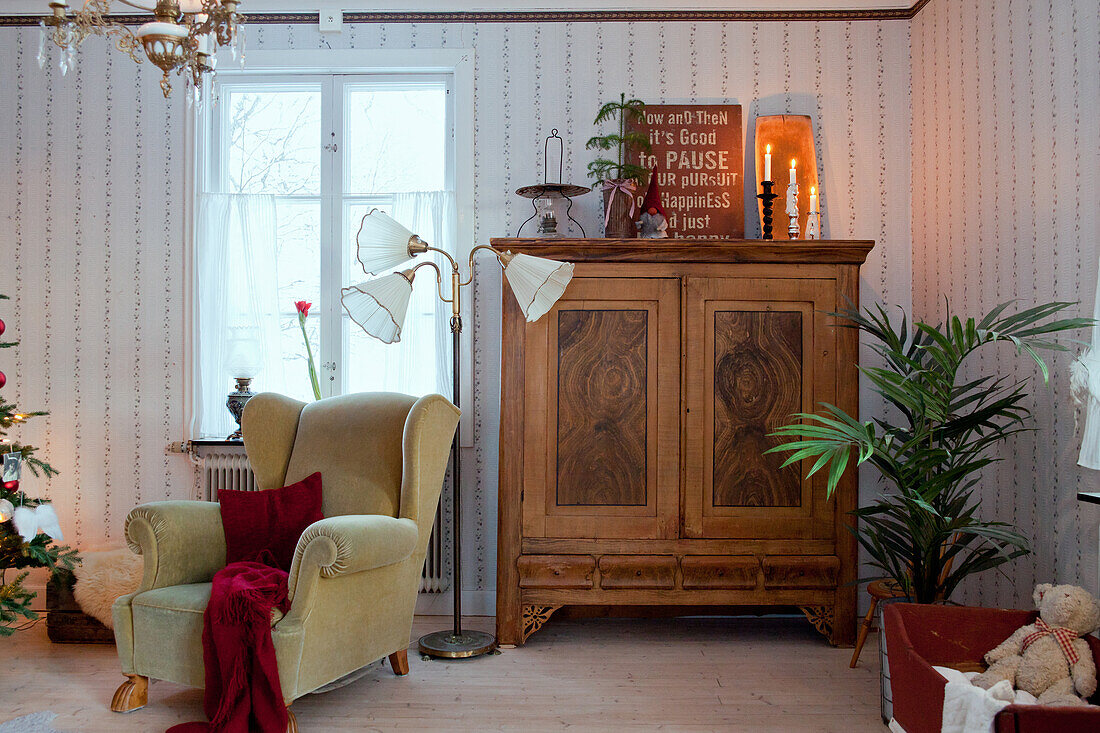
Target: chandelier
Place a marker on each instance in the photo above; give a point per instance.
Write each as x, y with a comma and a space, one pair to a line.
183, 37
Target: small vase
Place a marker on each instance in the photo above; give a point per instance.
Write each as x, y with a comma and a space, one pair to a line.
236, 402
617, 206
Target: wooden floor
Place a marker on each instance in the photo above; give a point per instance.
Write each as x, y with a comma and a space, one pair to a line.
591, 675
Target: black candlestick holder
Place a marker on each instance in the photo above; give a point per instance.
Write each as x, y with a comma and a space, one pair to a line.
767, 197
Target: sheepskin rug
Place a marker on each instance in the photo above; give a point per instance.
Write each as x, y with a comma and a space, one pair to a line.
102, 577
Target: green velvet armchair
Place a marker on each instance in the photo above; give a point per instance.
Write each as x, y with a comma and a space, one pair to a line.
355, 574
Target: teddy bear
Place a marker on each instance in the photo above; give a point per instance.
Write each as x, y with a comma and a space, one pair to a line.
1048, 658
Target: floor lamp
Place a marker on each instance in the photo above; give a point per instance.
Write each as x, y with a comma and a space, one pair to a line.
378, 306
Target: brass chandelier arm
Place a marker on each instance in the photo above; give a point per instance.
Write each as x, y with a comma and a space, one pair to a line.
185, 42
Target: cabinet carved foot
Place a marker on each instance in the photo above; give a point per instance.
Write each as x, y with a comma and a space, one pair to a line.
534, 617
821, 618
291, 722
131, 694
399, 662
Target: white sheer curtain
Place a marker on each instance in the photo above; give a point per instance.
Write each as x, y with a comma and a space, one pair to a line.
1085, 380
421, 362
236, 325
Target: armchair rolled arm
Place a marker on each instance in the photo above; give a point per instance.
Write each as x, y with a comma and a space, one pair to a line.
348, 544
181, 541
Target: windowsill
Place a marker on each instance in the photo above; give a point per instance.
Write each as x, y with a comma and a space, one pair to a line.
214, 442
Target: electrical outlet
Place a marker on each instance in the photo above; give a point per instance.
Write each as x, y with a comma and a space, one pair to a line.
331, 21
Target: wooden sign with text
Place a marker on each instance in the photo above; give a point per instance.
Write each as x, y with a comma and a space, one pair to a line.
698, 157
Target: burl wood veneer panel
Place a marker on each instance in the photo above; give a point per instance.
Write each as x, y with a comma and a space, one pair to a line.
757, 387
602, 407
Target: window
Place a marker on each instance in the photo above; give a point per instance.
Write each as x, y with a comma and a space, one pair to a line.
321, 150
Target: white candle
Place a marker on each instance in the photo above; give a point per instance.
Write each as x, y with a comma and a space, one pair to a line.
190, 6
794, 177
768, 163
813, 200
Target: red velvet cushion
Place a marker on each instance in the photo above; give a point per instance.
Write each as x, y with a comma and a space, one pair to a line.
271, 520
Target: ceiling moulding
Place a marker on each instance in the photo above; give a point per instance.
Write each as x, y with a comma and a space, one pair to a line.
545, 16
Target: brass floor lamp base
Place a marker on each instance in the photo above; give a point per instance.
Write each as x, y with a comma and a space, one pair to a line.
445, 645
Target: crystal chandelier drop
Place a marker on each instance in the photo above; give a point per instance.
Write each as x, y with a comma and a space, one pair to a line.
183, 37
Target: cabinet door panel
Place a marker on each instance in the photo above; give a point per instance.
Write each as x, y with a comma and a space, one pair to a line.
761, 350
602, 399
602, 403
757, 385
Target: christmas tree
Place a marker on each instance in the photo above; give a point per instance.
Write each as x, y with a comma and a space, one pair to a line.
22, 545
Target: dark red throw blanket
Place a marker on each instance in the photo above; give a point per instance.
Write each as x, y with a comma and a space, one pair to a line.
243, 694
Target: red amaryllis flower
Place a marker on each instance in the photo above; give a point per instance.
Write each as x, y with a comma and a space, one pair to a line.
303, 307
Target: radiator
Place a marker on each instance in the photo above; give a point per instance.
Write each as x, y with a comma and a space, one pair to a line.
226, 467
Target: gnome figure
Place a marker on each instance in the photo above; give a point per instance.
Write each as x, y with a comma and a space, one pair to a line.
652, 224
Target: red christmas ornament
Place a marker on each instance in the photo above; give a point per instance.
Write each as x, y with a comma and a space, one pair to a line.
11, 485
2, 327
3, 379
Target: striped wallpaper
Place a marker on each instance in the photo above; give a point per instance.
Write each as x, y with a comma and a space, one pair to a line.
95, 225
1005, 153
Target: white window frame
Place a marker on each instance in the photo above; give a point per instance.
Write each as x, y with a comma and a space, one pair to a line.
307, 65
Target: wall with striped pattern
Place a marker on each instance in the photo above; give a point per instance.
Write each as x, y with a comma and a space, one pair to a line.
94, 222
1005, 153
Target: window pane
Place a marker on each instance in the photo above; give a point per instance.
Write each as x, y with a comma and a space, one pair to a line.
274, 140
396, 138
299, 253
410, 366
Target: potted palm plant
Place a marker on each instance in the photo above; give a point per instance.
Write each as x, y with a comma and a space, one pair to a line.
924, 533
619, 177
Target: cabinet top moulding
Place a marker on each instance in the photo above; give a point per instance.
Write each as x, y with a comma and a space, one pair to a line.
798, 251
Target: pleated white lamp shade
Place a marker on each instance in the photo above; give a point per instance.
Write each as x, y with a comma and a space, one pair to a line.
382, 243
537, 283
378, 306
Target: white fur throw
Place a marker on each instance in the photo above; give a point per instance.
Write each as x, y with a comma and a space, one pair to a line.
102, 577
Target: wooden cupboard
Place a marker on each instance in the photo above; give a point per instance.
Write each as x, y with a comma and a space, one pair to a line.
634, 420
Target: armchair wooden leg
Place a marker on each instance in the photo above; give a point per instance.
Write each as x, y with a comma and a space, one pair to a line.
131, 694
865, 628
399, 661
291, 722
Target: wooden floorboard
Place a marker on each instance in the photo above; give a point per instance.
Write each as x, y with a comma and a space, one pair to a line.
735, 674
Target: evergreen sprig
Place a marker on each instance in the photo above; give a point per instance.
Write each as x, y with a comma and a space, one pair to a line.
603, 169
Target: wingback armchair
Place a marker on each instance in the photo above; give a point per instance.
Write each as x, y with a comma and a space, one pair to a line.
355, 574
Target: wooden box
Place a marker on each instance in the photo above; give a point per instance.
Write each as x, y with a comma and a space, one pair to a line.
65, 622
638, 411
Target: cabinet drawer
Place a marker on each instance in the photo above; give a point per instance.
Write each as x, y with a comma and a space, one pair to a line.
555, 571
719, 572
637, 572
800, 571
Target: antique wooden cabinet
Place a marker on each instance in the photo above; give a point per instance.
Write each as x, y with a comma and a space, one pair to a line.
634, 420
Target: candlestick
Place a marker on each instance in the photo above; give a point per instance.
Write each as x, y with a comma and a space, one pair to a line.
813, 225
792, 208
767, 197
768, 163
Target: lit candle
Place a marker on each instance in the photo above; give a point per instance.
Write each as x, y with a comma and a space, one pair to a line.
768, 163
794, 177
813, 200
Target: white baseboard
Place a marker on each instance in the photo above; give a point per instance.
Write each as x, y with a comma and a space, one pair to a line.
474, 603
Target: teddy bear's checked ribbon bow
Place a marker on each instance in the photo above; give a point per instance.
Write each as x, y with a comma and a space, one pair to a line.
1061, 634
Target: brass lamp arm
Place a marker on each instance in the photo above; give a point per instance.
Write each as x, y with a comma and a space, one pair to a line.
502, 259
438, 278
